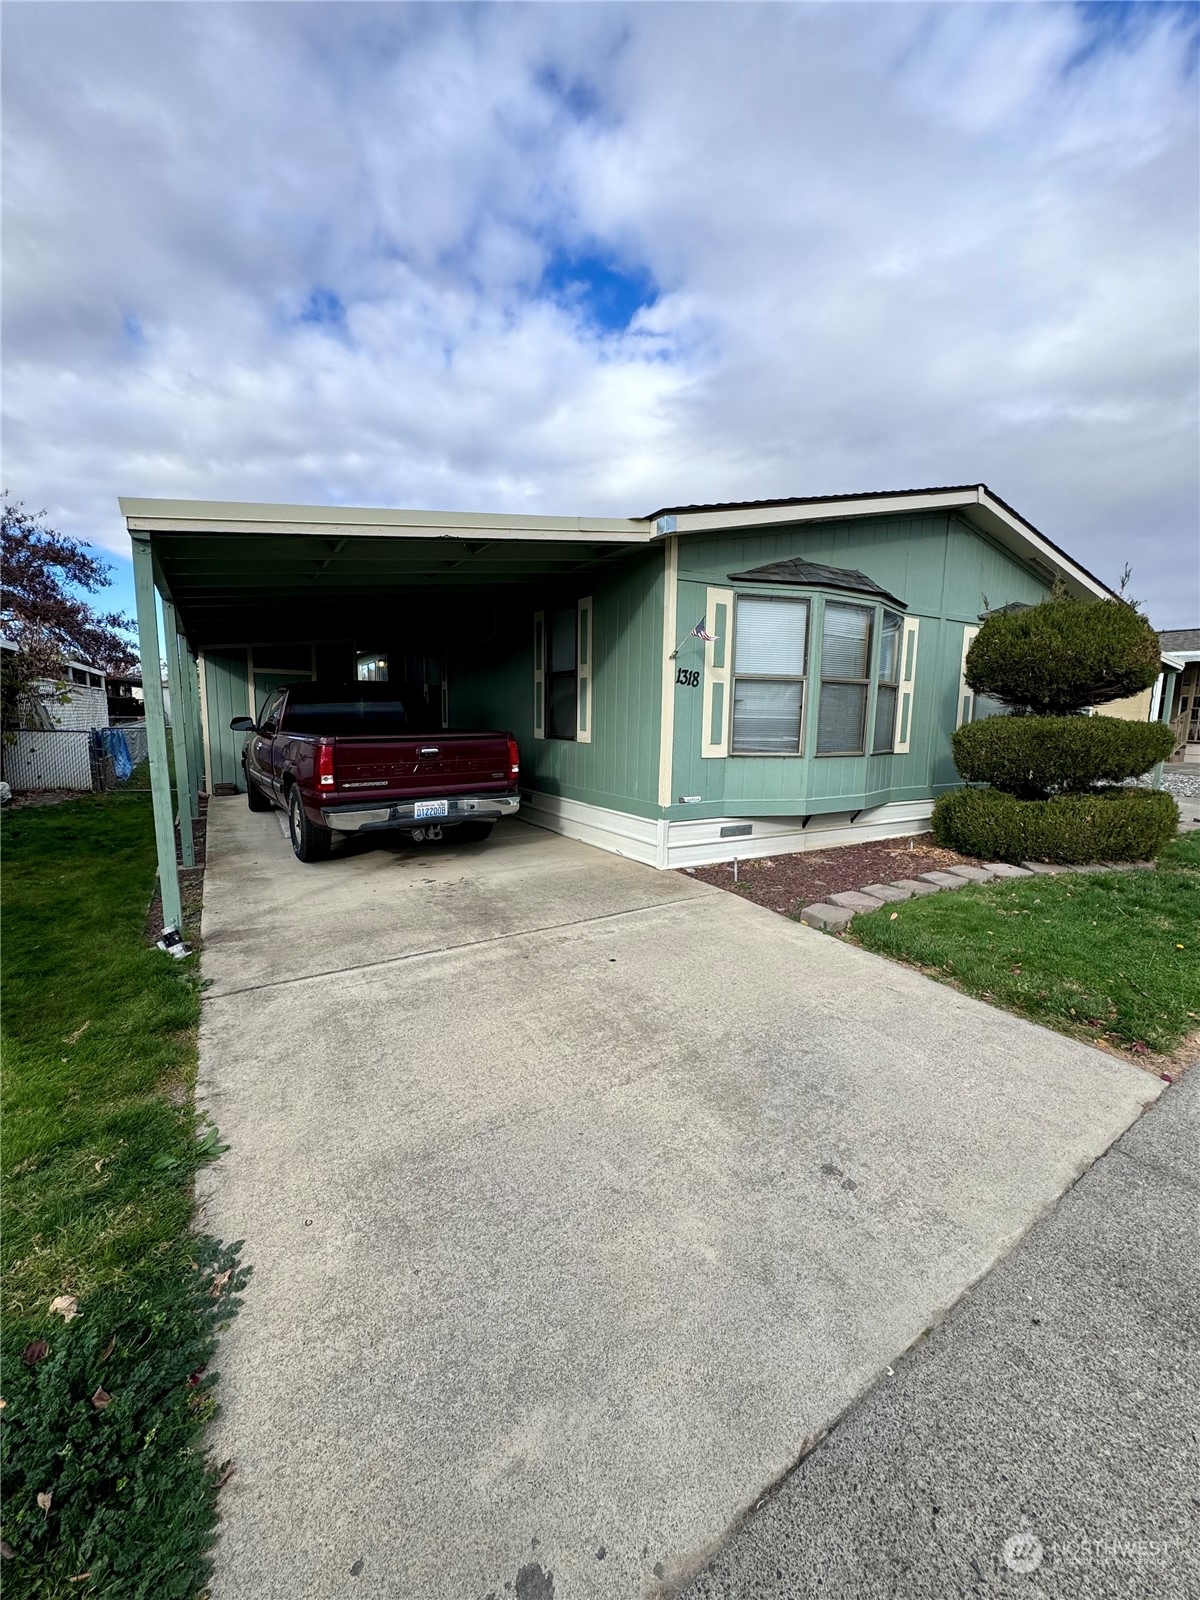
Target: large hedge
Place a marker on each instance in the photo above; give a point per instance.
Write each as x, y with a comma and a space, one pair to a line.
1044, 760
1034, 757
1063, 655
1116, 824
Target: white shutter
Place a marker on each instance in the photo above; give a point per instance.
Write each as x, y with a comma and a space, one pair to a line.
718, 658
966, 699
908, 678
539, 675
583, 666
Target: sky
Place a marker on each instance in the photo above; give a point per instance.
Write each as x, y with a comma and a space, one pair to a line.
593, 260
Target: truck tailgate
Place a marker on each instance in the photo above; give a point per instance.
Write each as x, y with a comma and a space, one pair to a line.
438, 764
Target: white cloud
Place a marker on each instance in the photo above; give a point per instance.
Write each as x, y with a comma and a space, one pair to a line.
894, 246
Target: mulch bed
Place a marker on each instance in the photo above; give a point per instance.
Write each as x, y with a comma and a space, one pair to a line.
44, 797
788, 883
191, 884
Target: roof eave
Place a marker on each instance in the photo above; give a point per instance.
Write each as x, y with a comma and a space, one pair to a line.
227, 516
976, 502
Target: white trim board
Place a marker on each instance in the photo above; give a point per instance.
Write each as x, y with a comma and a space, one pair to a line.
668, 845
666, 722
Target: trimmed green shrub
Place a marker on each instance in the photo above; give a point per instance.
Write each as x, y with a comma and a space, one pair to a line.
1033, 757
1063, 655
1115, 824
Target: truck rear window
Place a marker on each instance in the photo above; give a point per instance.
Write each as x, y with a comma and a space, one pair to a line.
348, 718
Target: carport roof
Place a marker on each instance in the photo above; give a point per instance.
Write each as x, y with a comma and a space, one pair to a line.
238, 572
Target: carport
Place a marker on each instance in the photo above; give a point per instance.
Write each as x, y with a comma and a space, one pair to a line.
309, 591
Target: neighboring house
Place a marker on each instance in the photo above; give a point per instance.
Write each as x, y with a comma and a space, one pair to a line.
78, 700
126, 698
84, 703
1181, 708
38, 756
819, 711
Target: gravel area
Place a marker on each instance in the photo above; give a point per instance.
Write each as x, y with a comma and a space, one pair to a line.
790, 882
1183, 782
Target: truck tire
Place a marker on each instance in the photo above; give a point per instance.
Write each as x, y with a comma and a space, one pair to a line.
255, 798
473, 832
309, 842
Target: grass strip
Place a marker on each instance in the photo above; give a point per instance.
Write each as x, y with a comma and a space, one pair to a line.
1113, 956
106, 1489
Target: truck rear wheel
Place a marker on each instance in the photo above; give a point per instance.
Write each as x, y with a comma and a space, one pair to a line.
309, 842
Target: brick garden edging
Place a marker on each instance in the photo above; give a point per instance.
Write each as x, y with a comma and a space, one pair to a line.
841, 909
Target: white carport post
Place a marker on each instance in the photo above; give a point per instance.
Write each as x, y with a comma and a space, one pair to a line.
181, 736
156, 731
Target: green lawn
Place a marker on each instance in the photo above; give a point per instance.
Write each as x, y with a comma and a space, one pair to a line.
1112, 955
99, 1150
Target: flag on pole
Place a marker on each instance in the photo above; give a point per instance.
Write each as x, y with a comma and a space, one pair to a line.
699, 632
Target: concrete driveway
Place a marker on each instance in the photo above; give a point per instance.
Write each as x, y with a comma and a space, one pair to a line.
581, 1199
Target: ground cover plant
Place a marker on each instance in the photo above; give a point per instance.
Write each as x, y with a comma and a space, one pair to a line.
1055, 773
1111, 956
110, 1302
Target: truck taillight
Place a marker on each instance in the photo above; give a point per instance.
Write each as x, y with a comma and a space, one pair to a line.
514, 759
325, 778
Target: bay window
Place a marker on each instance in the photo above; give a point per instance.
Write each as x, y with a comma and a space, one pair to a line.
770, 666
888, 691
845, 680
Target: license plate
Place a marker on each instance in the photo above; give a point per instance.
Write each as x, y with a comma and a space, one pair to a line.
431, 808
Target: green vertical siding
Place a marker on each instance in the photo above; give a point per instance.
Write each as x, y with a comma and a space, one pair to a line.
492, 684
943, 570
225, 673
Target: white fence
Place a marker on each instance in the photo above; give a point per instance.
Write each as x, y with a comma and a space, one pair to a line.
78, 759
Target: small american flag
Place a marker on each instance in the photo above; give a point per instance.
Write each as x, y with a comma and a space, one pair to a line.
700, 632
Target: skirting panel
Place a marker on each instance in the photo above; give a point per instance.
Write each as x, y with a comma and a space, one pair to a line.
697, 844
639, 838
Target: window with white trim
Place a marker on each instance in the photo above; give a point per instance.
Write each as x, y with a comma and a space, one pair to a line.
845, 679
888, 692
770, 668
562, 673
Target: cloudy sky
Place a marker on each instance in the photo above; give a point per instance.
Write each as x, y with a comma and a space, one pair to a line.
597, 259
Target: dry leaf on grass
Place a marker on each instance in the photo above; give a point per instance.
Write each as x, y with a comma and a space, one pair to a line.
101, 1398
74, 1038
66, 1306
44, 1500
35, 1351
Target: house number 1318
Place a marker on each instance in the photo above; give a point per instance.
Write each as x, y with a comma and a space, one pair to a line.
688, 676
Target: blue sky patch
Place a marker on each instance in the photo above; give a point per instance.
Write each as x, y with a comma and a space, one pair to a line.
609, 294
324, 308
134, 332
579, 98
1121, 24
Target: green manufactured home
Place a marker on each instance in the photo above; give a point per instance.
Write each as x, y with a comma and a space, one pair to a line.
708, 681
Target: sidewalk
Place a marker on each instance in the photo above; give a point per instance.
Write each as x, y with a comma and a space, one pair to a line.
1060, 1400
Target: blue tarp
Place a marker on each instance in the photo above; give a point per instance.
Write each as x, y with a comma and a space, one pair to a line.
117, 749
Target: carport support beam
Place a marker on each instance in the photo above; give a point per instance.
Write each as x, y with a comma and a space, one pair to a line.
181, 746
156, 732
191, 678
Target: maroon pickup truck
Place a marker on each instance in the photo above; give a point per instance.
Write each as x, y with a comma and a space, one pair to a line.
346, 759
